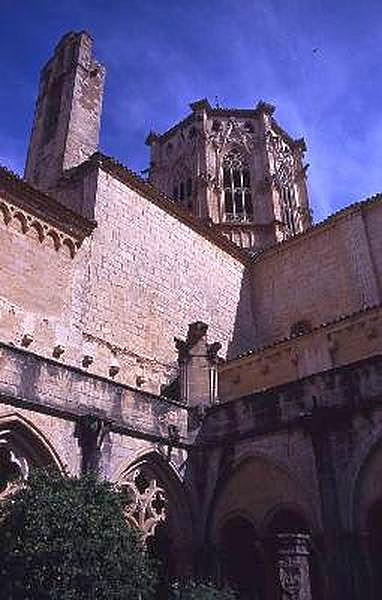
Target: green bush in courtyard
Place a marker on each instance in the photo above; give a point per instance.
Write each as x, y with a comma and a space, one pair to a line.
64, 538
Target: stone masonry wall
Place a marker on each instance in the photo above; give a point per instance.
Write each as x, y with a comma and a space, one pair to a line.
373, 225
327, 273
53, 397
338, 343
148, 276
120, 299
36, 278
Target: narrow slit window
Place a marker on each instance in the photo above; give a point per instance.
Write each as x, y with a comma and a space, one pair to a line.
288, 210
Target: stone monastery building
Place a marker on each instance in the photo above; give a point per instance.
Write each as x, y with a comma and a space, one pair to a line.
196, 338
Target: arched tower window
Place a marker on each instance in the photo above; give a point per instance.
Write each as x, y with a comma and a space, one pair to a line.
237, 189
182, 191
288, 209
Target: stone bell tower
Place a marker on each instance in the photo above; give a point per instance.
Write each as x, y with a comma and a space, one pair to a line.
68, 110
236, 169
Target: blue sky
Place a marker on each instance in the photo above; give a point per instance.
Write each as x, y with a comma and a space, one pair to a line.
162, 54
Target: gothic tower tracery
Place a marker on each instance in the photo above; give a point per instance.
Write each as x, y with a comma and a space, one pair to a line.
237, 169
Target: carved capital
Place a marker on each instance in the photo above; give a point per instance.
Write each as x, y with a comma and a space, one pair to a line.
293, 566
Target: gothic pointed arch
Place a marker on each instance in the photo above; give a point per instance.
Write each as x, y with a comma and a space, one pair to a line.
236, 177
366, 520
157, 505
22, 446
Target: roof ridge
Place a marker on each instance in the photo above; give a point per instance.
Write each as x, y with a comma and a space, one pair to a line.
45, 204
375, 198
207, 230
340, 318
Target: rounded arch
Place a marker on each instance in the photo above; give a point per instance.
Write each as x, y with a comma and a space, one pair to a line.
37, 229
362, 498
69, 246
286, 517
243, 562
365, 482
20, 222
260, 490
263, 484
292, 519
52, 236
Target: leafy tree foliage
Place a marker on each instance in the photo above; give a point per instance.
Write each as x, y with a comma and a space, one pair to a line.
64, 538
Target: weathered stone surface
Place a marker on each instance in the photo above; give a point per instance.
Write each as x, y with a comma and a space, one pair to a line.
96, 280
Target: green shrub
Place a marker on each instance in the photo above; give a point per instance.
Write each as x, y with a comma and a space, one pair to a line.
65, 538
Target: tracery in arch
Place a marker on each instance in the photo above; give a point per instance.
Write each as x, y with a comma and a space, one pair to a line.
13, 467
238, 205
21, 447
146, 501
156, 504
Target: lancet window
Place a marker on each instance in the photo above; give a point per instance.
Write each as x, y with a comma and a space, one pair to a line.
237, 189
182, 191
288, 209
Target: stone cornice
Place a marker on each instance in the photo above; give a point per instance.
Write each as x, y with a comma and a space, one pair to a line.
331, 221
333, 326
321, 401
16, 192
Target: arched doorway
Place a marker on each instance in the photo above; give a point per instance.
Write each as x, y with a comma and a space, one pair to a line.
242, 564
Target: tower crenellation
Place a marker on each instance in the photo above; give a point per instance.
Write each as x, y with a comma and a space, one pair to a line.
68, 110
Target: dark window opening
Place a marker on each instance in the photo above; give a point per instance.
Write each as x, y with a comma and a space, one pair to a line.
243, 567
288, 209
181, 191
237, 189
52, 110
